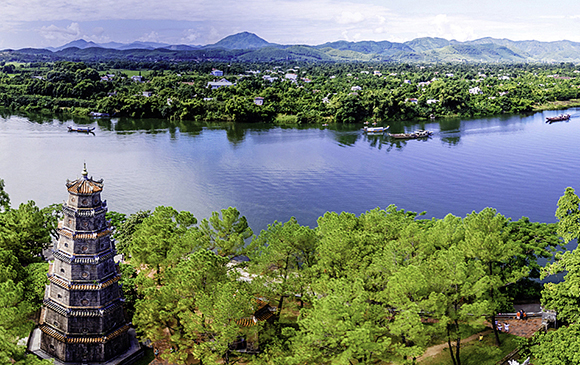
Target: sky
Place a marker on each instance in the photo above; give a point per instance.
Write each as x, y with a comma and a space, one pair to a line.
52, 23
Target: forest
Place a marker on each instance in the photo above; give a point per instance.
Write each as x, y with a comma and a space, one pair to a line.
370, 289
290, 92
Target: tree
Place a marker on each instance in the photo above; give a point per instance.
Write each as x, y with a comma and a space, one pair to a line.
25, 232
453, 282
196, 307
343, 326
125, 230
488, 241
557, 347
163, 239
280, 255
4, 198
564, 297
227, 234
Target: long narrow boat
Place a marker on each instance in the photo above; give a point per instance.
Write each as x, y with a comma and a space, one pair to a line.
559, 118
375, 129
81, 129
414, 135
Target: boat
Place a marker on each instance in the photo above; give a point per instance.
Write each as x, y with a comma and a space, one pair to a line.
375, 129
99, 115
558, 118
417, 134
81, 129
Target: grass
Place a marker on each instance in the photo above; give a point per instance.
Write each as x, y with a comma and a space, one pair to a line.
466, 331
557, 105
480, 353
129, 73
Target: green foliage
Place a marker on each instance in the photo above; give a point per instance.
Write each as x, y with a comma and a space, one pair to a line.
343, 325
557, 347
4, 198
125, 230
163, 238
321, 91
198, 303
25, 232
227, 234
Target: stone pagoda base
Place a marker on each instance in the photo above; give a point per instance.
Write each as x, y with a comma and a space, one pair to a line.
133, 353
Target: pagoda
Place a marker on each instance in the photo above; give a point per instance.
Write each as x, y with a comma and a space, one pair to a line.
82, 320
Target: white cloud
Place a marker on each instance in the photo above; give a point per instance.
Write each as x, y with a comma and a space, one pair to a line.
190, 36
153, 36
350, 18
52, 32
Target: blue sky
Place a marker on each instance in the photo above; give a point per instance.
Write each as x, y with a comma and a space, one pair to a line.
43, 23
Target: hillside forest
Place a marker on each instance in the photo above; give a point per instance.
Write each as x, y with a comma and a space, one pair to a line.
375, 288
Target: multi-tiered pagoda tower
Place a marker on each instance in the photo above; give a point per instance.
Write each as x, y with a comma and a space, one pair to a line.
83, 320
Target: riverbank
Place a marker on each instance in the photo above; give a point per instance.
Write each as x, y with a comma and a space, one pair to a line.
557, 105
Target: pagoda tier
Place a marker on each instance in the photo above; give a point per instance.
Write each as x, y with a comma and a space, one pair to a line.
82, 319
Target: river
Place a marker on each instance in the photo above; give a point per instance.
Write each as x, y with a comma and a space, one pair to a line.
517, 164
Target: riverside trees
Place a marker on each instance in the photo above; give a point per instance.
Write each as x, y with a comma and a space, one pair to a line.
330, 92
364, 286
23, 234
355, 289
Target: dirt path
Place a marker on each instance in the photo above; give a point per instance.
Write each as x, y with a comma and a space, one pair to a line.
434, 350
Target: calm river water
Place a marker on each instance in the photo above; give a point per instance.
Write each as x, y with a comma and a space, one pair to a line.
517, 164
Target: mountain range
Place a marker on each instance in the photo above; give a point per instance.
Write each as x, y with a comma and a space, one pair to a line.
250, 47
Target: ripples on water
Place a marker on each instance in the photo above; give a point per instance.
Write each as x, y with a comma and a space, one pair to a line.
516, 164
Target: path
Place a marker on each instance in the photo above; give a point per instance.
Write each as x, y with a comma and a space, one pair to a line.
519, 328
434, 350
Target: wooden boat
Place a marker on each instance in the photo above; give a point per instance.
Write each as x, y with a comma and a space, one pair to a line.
81, 129
559, 118
99, 115
414, 135
375, 129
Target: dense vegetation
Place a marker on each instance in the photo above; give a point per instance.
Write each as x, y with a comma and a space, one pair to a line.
292, 92
381, 286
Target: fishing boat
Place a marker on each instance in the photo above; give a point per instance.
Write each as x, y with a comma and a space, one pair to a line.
99, 115
417, 134
375, 129
81, 129
558, 118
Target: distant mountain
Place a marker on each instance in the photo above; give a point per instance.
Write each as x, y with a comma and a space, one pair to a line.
248, 47
243, 40
427, 44
379, 48
79, 43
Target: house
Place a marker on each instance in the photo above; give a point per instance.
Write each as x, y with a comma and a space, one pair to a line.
147, 93
137, 78
377, 73
475, 90
259, 100
217, 84
216, 72
291, 77
432, 101
412, 100
269, 78
356, 88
